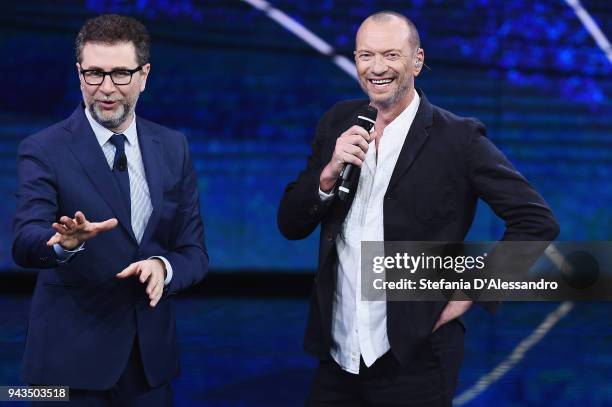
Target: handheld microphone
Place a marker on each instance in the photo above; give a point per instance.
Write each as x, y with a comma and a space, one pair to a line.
366, 118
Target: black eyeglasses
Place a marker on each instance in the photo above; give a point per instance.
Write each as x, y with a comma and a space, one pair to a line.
118, 76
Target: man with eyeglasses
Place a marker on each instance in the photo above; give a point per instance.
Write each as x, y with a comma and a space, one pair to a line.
421, 172
108, 209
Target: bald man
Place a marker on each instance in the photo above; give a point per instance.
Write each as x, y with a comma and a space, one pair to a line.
422, 171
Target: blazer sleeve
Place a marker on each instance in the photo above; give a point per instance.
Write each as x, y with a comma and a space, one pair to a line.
36, 208
188, 257
301, 208
526, 215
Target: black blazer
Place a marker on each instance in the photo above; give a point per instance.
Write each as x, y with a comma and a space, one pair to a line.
445, 165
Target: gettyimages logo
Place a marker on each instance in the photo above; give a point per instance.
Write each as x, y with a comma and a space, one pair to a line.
405, 261
486, 271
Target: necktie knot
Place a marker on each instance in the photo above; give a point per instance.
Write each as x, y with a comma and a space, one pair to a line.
118, 140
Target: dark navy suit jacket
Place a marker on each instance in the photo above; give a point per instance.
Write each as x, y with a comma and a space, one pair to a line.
444, 166
83, 320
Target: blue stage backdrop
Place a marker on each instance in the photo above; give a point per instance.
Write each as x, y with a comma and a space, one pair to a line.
248, 94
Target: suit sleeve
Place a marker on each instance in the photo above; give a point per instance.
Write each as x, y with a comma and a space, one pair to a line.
36, 208
526, 215
188, 257
301, 207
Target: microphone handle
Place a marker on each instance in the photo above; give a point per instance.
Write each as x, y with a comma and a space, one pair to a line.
365, 120
345, 182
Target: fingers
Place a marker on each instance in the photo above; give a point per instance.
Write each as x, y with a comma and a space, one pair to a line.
439, 323
149, 272
131, 270
351, 148
373, 135
452, 310
80, 228
347, 158
79, 218
153, 274
359, 138
63, 236
68, 223
155, 296
59, 228
56, 238
145, 273
359, 141
106, 225
443, 319
353, 155
151, 285
152, 282
455, 309
355, 151
65, 226
144, 270
360, 131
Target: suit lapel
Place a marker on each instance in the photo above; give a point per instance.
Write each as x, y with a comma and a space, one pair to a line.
416, 138
87, 151
153, 161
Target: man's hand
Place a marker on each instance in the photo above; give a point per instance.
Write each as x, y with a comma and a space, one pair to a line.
152, 272
453, 309
71, 233
351, 148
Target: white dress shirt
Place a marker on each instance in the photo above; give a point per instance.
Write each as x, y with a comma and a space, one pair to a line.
359, 328
141, 207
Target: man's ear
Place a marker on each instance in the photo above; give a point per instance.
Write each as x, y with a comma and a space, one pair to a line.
78, 67
144, 75
419, 61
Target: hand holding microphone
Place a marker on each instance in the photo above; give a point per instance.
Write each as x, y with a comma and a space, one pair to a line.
350, 151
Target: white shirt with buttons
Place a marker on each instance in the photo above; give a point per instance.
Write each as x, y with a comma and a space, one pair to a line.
359, 328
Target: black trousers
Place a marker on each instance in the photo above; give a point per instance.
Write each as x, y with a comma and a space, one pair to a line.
429, 380
132, 389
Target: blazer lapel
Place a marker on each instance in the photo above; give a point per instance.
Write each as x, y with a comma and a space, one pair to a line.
416, 138
87, 151
153, 161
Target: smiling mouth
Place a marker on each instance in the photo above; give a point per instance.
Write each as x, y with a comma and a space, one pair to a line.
381, 82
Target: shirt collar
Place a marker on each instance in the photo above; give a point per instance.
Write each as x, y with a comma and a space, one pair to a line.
103, 134
403, 122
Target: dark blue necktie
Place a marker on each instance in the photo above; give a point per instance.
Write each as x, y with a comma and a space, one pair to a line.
120, 169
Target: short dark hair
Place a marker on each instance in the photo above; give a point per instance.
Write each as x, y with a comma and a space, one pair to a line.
385, 15
111, 29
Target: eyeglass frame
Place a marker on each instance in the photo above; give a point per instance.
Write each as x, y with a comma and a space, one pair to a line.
110, 74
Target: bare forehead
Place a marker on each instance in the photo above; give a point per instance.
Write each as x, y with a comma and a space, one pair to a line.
393, 33
120, 53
